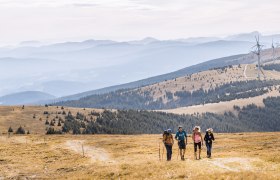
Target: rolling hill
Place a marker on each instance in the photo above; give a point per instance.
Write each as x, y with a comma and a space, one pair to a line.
25, 97
215, 63
206, 87
221, 62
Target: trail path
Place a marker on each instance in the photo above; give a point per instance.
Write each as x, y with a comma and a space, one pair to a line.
244, 73
235, 164
95, 153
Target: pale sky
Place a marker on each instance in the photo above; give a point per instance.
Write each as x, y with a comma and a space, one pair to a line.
64, 20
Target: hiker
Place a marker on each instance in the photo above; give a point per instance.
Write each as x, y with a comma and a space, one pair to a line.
197, 139
181, 137
208, 138
168, 142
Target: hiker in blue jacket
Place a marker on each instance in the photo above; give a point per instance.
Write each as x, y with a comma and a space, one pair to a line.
181, 137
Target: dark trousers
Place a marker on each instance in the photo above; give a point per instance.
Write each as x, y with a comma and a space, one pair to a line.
169, 151
209, 148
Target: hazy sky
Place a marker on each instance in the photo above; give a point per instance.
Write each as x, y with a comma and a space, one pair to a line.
60, 20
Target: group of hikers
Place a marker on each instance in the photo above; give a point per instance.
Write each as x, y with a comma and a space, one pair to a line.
181, 137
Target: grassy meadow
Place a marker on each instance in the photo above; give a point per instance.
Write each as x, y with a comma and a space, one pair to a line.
235, 156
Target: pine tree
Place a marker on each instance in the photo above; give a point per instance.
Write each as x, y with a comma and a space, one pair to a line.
20, 130
10, 130
52, 123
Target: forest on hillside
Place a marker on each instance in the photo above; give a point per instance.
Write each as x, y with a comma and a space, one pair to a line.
247, 119
135, 99
272, 67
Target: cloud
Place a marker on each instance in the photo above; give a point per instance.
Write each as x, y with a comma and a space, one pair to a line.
84, 4
133, 19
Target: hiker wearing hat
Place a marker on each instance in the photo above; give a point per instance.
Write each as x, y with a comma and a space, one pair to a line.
168, 142
181, 137
208, 138
198, 142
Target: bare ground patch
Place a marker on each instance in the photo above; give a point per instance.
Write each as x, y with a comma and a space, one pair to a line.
94, 153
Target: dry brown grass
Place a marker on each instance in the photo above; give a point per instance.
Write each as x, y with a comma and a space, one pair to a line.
235, 156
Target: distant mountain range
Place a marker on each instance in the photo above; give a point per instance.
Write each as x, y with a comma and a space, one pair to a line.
94, 64
26, 97
64, 69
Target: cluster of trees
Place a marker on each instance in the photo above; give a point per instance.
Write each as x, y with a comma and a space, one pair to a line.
226, 92
121, 99
135, 99
248, 119
272, 67
20, 130
224, 67
52, 130
262, 118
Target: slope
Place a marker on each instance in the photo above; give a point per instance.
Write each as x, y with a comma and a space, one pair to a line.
25, 97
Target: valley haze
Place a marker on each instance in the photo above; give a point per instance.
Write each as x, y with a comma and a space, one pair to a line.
68, 68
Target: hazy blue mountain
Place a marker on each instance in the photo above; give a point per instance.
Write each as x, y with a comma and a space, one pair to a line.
199, 40
31, 43
25, 97
264, 39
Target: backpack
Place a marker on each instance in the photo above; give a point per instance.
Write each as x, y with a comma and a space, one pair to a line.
167, 138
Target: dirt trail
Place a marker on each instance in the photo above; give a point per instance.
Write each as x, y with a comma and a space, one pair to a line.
244, 73
96, 154
235, 164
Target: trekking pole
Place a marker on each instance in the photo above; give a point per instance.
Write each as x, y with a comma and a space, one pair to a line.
178, 153
162, 152
159, 151
83, 150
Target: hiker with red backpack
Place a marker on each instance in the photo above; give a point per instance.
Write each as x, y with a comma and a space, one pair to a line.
168, 142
